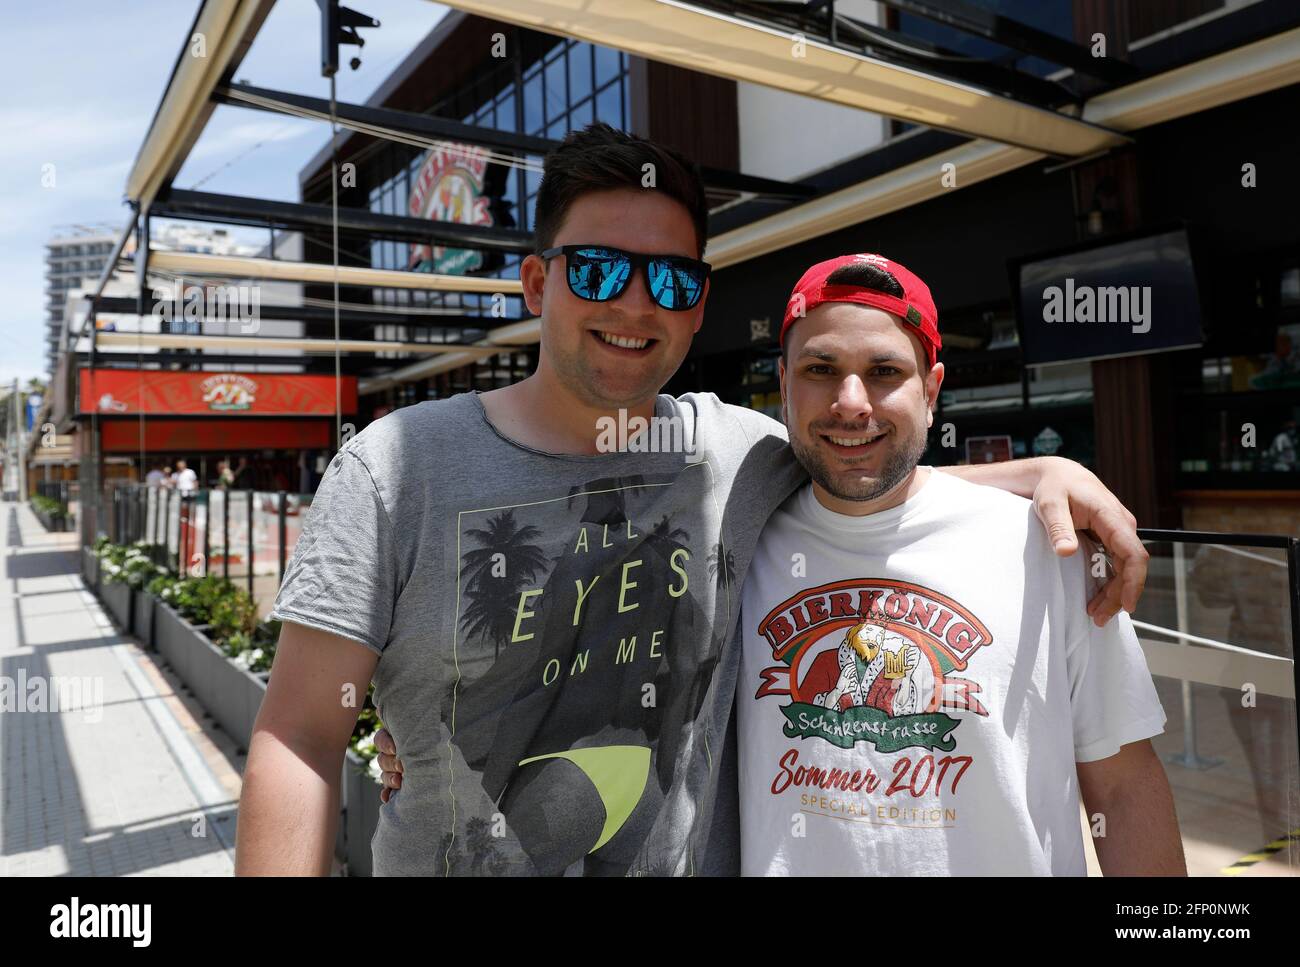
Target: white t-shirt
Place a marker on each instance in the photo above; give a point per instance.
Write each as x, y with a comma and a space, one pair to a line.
917, 685
187, 479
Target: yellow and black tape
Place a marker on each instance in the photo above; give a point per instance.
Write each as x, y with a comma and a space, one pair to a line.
1263, 853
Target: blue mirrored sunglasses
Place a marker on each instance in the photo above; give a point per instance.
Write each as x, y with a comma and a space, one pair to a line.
599, 273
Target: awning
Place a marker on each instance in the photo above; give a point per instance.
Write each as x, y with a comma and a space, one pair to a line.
712, 42
243, 267
1239, 73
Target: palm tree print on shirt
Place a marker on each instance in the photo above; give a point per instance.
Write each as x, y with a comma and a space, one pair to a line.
492, 583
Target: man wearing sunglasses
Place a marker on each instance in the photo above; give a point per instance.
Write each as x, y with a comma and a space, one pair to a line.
548, 624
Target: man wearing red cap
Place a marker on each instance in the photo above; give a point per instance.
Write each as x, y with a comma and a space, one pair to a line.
920, 691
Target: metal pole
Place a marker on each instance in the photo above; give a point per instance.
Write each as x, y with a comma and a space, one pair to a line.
1189, 758
21, 418
167, 537
225, 534
1293, 578
250, 543
207, 526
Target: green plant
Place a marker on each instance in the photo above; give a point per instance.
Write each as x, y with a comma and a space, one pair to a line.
163, 586
232, 612
363, 734
130, 564
255, 651
48, 505
195, 598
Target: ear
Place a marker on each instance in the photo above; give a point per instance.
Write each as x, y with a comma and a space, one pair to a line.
532, 273
933, 381
781, 374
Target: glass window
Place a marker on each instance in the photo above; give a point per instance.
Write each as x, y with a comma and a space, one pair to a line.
579, 72
581, 115
609, 106
559, 129
533, 118
609, 64
505, 119
557, 98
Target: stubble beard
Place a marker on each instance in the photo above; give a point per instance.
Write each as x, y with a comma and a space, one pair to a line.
899, 463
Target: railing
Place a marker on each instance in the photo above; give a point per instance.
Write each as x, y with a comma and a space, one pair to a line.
64, 491
245, 536
1219, 624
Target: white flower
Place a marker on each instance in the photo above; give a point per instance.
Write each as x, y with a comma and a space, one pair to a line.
375, 772
365, 746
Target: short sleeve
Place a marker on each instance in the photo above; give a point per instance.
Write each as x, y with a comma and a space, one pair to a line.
342, 575
1113, 700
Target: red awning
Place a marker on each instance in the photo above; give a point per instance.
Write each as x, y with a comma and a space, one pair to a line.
222, 435
167, 392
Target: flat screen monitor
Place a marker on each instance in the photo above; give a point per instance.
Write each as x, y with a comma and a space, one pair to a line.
1122, 298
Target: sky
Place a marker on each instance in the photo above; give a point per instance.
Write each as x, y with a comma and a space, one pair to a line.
80, 81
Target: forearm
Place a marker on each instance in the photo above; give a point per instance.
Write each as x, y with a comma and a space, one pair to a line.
1017, 476
1141, 836
288, 810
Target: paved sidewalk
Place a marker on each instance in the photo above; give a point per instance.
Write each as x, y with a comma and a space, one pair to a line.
122, 782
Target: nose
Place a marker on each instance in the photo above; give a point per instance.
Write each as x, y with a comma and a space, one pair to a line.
635, 300
852, 402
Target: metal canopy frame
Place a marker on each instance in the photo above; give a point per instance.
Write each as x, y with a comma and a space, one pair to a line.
352, 365
384, 121
988, 25
821, 20
259, 212
451, 319
711, 41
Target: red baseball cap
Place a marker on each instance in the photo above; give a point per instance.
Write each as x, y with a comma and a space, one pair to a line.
916, 307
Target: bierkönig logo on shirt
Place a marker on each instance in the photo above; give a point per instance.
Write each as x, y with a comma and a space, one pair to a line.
874, 661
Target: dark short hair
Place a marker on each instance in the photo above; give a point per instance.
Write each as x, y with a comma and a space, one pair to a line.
602, 158
865, 276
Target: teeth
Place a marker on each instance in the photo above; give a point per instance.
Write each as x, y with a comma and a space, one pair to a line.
624, 341
851, 441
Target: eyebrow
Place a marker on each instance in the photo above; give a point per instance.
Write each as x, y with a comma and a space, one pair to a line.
887, 356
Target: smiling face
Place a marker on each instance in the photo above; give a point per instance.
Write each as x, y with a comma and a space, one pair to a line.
620, 353
858, 394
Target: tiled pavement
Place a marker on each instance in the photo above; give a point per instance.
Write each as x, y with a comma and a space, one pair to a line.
117, 780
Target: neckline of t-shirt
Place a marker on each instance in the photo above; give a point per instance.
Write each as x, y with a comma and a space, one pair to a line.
885, 519
662, 405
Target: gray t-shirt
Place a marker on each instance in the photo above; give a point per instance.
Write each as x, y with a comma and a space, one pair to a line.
556, 633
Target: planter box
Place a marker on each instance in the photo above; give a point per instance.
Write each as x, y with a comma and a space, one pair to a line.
90, 569
52, 523
142, 618
117, 598
230, 694
180, 643
236, 697
361, 814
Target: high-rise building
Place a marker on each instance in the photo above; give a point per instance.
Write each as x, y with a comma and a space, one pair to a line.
73, 254
77, 253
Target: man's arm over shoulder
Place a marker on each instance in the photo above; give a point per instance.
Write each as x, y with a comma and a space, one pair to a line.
289, 805
1069, 497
